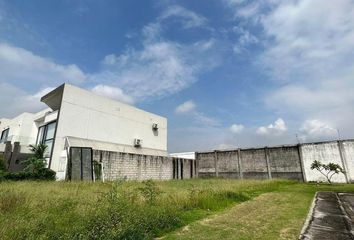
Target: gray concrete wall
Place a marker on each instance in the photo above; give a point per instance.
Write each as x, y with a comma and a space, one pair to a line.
254, 164
206, 164
288, 162
140, 167
285, 162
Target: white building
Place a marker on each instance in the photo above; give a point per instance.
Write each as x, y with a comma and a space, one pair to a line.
79, 118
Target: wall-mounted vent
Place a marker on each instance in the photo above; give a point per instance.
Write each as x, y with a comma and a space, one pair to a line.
137, 142
155, 127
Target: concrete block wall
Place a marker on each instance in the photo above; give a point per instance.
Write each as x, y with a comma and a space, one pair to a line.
285, 163
14, 154
140, 167
288, 162
254, 164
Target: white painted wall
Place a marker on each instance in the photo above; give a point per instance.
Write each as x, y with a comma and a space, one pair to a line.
89, 116
24, 128
325, 153
348, 147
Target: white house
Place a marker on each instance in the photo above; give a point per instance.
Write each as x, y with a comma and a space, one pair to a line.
79, 118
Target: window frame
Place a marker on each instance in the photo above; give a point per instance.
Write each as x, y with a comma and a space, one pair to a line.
44, 136
7, 130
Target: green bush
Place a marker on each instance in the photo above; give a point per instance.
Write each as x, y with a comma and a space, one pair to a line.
2, 163
44, 174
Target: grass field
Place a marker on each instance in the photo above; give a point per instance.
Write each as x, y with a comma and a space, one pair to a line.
190, 209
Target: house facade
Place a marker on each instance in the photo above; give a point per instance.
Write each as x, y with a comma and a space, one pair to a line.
78, 121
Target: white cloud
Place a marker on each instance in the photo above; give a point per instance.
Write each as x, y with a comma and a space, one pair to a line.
245, 39
236, 128
159, 68
188, 106
311, 55
14, 100
155, 69
276, 128
200, 118
188, 18
21, 69
308, 53
112, 92
18, 65
316, 129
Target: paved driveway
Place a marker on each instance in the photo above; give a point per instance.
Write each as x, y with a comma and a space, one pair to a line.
332, 217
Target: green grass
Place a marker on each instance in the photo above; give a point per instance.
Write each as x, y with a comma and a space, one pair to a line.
275, 215
133, 210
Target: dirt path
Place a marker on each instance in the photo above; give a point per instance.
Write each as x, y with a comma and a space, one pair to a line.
269, 216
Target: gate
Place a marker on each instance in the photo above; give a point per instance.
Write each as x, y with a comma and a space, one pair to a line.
80, 164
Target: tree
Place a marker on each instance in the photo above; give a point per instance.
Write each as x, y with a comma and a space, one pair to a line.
327, 170
36, 163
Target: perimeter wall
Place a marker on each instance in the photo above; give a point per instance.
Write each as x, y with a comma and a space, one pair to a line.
117, 165
288, 162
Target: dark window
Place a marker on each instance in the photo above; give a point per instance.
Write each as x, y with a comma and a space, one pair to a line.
4, 135
46, 136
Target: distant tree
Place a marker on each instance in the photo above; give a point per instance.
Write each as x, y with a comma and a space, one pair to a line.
327, 170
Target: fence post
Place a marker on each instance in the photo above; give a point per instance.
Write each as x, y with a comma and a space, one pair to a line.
239, 163
301, 159
267, 161
343, 160
216, 163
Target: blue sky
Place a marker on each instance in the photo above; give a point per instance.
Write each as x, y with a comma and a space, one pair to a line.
225, 73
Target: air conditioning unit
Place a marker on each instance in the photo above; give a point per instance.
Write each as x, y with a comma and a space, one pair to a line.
137, 142
155, 126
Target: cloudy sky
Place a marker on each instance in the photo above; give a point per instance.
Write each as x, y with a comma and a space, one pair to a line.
225, 73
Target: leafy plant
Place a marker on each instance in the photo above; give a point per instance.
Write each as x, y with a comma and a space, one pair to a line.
36, 163
327, 170
2, 163
150, 191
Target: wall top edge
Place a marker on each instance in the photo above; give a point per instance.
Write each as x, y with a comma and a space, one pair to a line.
276, 146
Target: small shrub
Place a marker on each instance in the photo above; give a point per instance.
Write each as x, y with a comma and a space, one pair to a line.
150, 191
44, 174
327, 170
2, 163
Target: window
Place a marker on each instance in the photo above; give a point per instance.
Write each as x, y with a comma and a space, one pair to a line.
46, 136
4, 135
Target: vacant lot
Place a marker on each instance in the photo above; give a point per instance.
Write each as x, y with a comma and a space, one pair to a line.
191, 209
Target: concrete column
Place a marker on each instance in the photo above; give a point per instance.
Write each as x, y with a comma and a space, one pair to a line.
266, 152
301, 159
216, 163
239, 163
8, 153
343, 160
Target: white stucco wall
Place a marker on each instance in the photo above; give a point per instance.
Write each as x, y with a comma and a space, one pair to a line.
89, 116
23, 128
348, 148
325, 153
